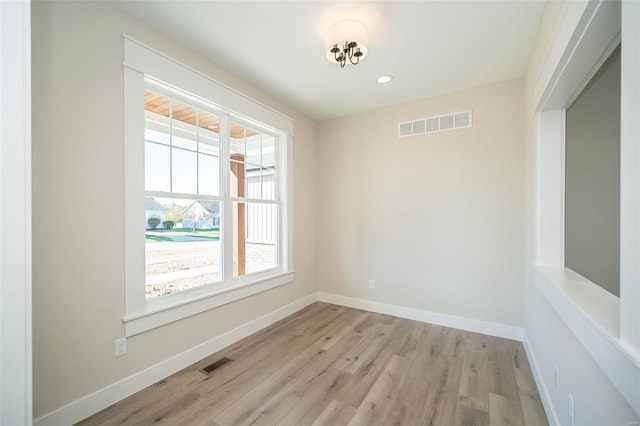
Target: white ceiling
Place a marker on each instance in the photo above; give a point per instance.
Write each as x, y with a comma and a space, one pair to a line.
430, 47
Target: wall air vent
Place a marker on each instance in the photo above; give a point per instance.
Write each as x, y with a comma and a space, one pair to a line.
406, 129
440, 123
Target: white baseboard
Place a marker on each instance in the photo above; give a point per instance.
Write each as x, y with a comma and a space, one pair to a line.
549, 409
101, 399
453, 321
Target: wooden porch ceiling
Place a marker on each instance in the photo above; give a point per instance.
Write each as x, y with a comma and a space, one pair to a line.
160, 104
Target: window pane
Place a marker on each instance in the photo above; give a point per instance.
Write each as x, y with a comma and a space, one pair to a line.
156, 117
156, 167
184, 171
184, 131
208, 174
209, 122
268, 151
209, 142
184, 138
156, 128
255, 234
251, 153
183, 250
209, 154
237, 139
184, 113
254, 148
253, 187
237, 180
268, 184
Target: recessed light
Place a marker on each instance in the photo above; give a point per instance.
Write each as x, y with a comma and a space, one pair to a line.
384, 79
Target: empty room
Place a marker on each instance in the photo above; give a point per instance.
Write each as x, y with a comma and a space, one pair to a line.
320, 212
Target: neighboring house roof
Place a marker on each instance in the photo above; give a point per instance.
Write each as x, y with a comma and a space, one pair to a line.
203, 208
151, 203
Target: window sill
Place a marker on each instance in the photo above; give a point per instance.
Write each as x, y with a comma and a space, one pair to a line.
598, 305
220, 294
593, 315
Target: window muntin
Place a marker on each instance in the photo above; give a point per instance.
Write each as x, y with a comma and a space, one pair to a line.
183, 145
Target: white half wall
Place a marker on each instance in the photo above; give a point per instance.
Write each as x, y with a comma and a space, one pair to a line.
552, 344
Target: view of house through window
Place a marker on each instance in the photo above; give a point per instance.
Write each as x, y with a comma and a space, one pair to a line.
185, 204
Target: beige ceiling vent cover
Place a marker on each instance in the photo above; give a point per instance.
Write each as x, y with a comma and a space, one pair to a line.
439, 123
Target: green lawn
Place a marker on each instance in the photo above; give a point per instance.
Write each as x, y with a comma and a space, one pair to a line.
156, 238
164, 234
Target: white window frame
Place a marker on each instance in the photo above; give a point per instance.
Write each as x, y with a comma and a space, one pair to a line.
142, 62
607, 326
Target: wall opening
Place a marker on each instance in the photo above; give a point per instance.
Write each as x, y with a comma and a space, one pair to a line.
592, 179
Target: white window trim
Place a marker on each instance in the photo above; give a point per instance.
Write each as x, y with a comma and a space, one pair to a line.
607, 326
16, 372
141, 314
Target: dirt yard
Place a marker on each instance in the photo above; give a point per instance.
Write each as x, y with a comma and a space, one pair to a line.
177, 266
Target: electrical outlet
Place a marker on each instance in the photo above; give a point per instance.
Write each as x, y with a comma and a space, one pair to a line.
121, 346
557, 378
572, 410
372, 284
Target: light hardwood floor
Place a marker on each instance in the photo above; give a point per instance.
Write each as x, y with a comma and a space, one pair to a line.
331, 365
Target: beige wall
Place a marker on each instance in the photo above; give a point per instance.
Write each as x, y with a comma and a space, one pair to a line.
78, 258
436, 220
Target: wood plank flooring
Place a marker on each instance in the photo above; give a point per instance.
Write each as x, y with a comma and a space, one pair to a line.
331, 365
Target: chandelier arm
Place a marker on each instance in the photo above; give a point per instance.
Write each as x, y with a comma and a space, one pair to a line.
351, 57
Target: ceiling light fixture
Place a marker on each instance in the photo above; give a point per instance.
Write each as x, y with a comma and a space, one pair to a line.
346, 41
384, 79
